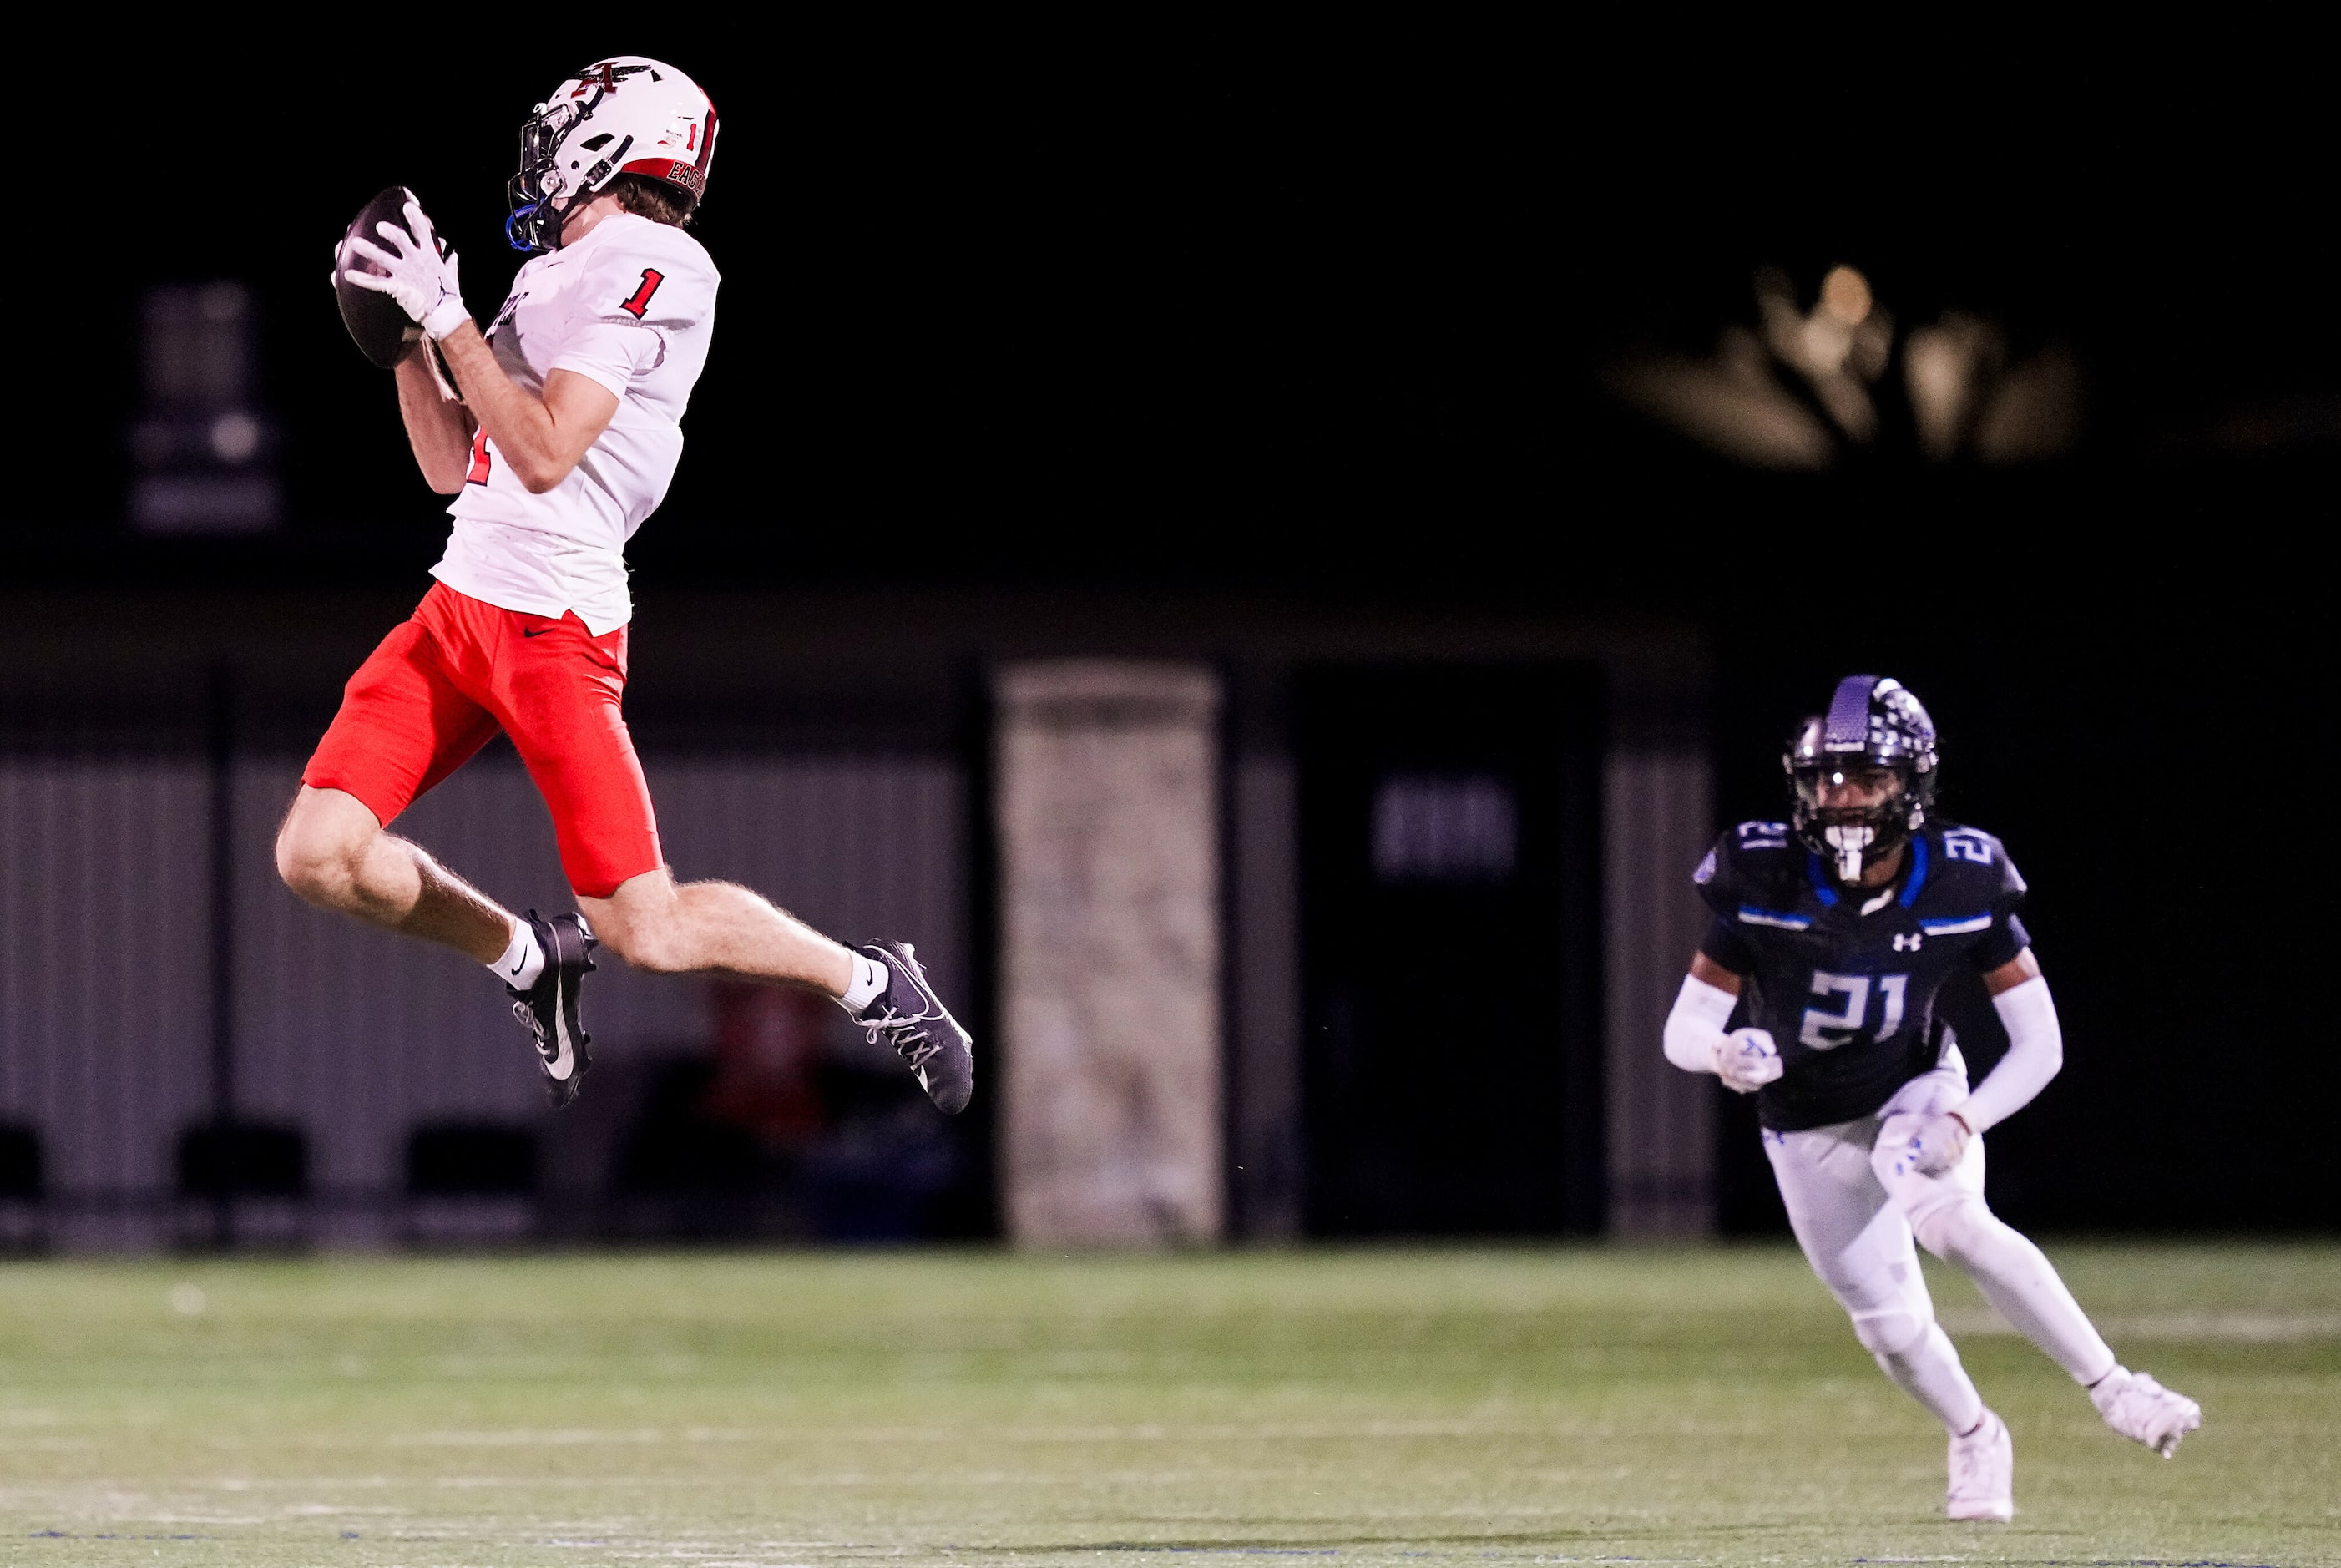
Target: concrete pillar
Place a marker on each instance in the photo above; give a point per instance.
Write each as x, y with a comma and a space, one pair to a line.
1660, 1120
1107, 795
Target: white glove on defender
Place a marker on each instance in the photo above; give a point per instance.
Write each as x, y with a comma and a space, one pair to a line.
1747, 1060
417, 274
1939, 1143
2035, 1050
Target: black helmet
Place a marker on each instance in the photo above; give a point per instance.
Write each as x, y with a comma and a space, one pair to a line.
1872, 722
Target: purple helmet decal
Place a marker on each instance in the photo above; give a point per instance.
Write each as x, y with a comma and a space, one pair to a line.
1846, 728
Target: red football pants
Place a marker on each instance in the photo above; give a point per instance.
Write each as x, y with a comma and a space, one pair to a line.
455, 672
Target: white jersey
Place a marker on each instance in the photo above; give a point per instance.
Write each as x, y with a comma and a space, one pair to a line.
631, 306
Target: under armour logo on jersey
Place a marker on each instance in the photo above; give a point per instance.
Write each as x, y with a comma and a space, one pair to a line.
1907, 941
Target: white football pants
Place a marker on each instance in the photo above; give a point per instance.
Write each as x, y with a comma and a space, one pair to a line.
1856, 1214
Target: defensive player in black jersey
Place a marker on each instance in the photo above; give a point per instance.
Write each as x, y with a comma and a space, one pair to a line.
1836, 933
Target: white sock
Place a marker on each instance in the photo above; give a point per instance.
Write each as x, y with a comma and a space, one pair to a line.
523, 961
2016, 1278
1930, 1372
870, 978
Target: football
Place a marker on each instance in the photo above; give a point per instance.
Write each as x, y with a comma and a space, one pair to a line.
380, 328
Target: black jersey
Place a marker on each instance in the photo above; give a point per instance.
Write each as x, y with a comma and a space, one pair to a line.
1845, 979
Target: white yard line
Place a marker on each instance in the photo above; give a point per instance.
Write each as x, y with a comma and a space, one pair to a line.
2234, 1327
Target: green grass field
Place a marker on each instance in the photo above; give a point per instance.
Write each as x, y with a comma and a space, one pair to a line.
1362, 1406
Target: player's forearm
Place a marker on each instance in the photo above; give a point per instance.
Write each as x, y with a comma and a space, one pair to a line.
2036, 1052
1695, 1028
527, 437
1745, 1059
439, 431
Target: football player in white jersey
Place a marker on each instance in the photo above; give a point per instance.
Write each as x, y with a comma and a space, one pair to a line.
557, 431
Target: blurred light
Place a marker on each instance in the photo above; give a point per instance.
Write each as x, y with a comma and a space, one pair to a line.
1434, 829
1734, 407
203, 441
187, 1300
1942, 368
1824, 342
1834, 347
2035, 413
1964, 395
1845, 293
197, 346
235, 437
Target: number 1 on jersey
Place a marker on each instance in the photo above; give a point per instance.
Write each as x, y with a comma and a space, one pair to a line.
636, 306
479, 474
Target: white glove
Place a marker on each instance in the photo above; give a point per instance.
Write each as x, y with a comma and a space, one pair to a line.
417, 274
1939, 1143
1747, 1060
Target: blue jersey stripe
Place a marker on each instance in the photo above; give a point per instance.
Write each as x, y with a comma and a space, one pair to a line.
1918, 871
1819, 879
1751, 915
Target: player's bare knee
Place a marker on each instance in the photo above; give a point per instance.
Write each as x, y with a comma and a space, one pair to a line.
657, 957
652, 944
317, 860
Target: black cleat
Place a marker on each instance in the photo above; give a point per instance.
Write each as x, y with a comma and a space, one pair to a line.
549, 1008
911, 1019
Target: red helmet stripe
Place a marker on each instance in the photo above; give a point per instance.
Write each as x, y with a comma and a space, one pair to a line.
673, 171
707, 141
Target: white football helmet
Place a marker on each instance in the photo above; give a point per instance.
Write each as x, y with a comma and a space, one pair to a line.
623, 115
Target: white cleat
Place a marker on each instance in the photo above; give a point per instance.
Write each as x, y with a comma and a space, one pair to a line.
2138, 1407
1983, 1474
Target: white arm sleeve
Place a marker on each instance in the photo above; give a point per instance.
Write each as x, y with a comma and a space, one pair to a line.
1695, 1028
2035, 1050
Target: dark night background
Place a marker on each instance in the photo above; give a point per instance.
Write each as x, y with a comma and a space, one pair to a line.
1330, 329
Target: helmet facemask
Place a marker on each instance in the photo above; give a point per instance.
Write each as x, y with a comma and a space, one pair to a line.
1853, 838
533, 225
542, 194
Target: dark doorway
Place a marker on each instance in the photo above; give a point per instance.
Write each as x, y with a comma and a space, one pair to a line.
1450, 863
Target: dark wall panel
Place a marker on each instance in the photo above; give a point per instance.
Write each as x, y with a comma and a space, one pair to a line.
1450, 842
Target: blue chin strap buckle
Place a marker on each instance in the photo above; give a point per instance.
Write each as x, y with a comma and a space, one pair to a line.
520, 215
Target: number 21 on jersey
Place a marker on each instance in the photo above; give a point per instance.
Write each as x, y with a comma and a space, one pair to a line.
1828, 1027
